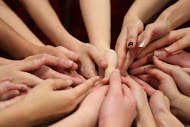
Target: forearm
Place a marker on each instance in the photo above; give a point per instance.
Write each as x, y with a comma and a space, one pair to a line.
46, 18
176, 14
97, 18
145, 9
17, 24
13, 43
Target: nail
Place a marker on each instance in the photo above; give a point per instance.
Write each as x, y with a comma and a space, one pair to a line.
141, 44
97, 77
116, 72
68, 63
23, 88
102, 63
17, 93
130, 44
157, 54
6, 85
69, 81
169, 49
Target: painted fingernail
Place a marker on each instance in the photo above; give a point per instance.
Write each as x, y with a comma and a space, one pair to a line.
102, 63
141, 44
68, 63
69, 81
157, 54
169, 49
116, 72
130, 44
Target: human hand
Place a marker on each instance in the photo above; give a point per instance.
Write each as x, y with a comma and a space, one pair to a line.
144, 114
160, 106
88, 54
89, 108
128, 38
60, 52
60, 101
119, 106
175, 40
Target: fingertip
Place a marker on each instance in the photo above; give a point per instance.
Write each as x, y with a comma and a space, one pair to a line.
105, 80
103, 63
130, 45
169, 49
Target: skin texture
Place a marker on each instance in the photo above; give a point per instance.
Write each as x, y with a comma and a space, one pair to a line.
144, 114
119, 106
88, 53
160, 107
50, 92
177, 40
99, 33
89, 108
133, 25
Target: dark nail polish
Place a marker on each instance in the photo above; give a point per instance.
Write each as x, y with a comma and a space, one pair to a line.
130, 43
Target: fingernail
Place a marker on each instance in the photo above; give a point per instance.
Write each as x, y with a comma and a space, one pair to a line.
42, 59
130, 44
23, 88
157, 54
169, 49
116, 72
69, 81
141, 44
17, 93
102, 63
68, 63
97, 77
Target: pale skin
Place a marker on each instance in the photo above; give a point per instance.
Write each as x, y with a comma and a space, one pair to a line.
165, 83
171, 18
133, 25
52, 93
89, 108
119, 106
97, 19
160, 107
144, 115
46, 18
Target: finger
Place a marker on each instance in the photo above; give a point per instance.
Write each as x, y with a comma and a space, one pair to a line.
121, 47
57, 84
6, 79
177, 73
178, 45
83, 88
8, 103
140, 70
10, 94
6, 86
71, 55
133, 85
187, 70
100, 60
148, 89
145, 60
115, 84
145, 77
126, 90
132, 36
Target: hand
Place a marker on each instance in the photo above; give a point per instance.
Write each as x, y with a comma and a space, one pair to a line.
89, 108
60, 52
132, 27
144, 114
60, 101
119, 106
111, 57
177, 39
88, 54
160, 106
181, 58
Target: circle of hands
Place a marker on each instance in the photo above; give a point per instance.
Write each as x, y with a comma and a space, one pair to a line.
149, 89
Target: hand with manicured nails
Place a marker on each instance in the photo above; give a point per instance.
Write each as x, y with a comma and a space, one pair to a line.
88, 55
89, 108
128, 38
144, 114
175, 40
160, 106
119, 106
49, 100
